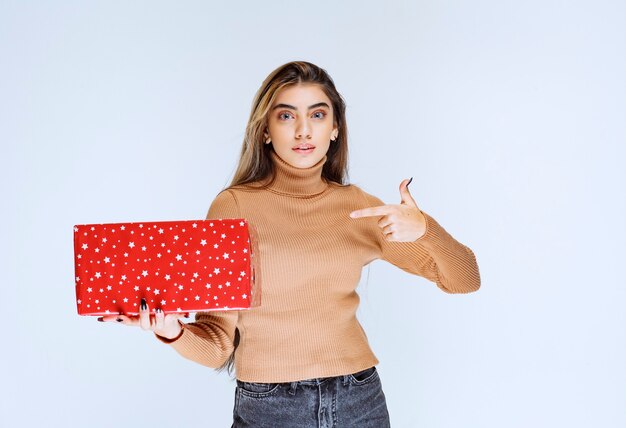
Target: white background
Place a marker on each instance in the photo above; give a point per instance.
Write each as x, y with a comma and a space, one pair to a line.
510, 116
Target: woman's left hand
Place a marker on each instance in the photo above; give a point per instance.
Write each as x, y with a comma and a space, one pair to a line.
400, 223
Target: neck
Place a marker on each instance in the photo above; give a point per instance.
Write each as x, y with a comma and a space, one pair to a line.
297, 182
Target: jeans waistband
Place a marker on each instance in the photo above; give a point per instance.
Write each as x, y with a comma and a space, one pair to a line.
320, 380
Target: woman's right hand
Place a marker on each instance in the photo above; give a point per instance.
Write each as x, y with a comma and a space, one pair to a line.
167, 326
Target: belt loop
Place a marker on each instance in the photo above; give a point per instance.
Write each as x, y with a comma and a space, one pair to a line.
345, 380
293, 387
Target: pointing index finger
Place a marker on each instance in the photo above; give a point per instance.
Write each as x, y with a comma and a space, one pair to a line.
372, 211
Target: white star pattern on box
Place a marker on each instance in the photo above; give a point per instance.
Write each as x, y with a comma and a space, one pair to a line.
172, 253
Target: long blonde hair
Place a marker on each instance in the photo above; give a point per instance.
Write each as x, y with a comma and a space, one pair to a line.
254, 161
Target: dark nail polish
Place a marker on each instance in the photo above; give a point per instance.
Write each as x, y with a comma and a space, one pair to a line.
158, 310
144, 304
101, 319
119, 320
407, 184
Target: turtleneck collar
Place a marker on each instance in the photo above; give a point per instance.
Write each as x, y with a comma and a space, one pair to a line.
300, 182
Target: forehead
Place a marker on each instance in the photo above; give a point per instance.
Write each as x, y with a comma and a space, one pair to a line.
302, 95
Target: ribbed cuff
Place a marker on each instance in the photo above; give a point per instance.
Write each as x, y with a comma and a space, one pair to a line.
426, 235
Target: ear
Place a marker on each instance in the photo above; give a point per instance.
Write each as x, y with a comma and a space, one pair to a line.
266, 137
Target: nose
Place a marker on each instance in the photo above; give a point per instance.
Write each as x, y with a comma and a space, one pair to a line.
303, 128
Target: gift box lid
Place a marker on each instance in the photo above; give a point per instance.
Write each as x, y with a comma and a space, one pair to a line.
177, 266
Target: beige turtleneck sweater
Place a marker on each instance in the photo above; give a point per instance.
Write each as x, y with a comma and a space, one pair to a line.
311, 255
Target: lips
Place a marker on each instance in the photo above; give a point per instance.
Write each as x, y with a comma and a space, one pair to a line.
304, 147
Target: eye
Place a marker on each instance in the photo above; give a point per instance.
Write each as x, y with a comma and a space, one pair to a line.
284, 115
321, 114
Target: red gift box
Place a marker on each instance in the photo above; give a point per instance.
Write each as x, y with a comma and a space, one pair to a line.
178, 266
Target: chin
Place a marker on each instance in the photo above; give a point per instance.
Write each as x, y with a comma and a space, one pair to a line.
303, 163
298, 161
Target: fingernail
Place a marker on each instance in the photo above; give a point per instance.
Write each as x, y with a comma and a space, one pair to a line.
186, 315
101, 319
119, 320
407, 184
158, 310
144, 304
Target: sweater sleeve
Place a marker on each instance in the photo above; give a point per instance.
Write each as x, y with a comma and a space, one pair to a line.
209, 339
436, 255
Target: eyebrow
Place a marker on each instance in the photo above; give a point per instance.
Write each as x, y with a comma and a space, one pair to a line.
322, 104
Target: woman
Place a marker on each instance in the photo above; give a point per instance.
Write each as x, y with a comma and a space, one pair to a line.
302, 358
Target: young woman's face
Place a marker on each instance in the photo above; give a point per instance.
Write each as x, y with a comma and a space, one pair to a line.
300, 125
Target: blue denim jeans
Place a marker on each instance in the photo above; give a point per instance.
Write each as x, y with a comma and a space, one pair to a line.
353, 400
